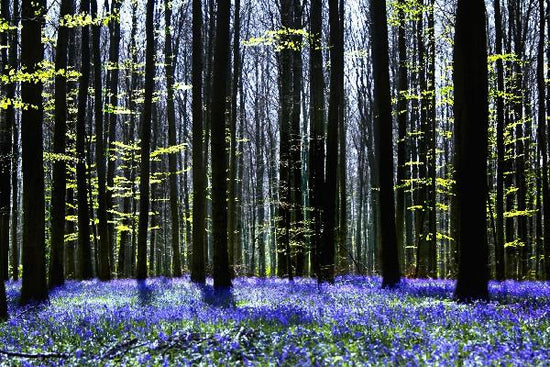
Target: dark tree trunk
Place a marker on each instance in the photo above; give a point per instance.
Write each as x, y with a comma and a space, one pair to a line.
383, 144
471, 139
57, 276
172, 141
221, 274
144, 189
327, 255
34, 287
284, 263
199, 174
84, 251
104, 266
317, 130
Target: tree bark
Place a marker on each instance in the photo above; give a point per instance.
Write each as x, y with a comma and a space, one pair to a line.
172, 141
59, 183
144, 189
383, 144
199, 175
221, 274
471, 139
34, 287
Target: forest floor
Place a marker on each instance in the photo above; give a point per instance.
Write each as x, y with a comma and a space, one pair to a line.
272, 322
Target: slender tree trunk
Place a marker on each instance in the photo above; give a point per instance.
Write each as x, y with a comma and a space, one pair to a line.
34, 287
144, 189
499, 202
172, 141
542, 135
84, 250
5, 150
199, 174
56, 274
104, 266
113, 75
221, 274
10, 115
232, 214
402, 106
471, 138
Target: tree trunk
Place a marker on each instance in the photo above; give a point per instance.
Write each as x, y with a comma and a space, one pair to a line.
327, 255
542, 135
10, 114
6, 125
471, 138
402, 105
34, 287
383, 144
113, 74
499, 202
284, 264
199, 174
317, 129
144, 189
59, 183
84, 255
221, 274
172, 141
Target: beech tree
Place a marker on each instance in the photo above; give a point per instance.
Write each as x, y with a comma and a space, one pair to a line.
383, 145
471, 140
34, 287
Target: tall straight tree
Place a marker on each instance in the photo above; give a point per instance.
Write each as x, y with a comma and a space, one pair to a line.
10, 115
326, 258
543, 139
104, 266
34, 287
317, 129
144, 189
383, 145
471, 113
284, 264
222, 276
172, 141
111, 118
199, 174
5, 150
499, 202
402, 133
59, 183
84, 251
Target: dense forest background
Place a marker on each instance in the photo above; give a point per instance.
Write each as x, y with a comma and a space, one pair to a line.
255, 138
